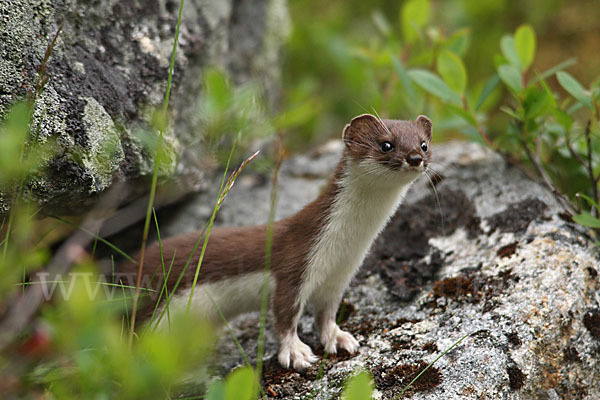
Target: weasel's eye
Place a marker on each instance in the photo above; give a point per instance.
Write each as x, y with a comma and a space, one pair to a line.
386, 147
423, 146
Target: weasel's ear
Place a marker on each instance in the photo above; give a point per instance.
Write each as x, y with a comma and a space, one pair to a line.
425, 123
359, 124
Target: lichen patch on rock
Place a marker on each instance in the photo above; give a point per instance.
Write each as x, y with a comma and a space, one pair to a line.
109, 66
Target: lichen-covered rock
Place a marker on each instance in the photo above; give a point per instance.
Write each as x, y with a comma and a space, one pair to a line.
108, 70
492, 259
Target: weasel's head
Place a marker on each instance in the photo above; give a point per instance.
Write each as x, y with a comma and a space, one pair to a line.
389, 148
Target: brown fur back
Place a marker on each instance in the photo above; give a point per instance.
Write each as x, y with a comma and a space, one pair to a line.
234, 251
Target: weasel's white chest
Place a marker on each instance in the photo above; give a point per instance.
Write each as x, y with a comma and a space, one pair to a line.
357, 216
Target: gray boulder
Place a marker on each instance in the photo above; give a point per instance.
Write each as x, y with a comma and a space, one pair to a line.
108, 71
489, 256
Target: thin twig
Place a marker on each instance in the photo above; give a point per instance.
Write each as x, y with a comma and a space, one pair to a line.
590, 168
42, 77
535, 160
546, 179
485, 137
573, 153
136, 211
479, 128
509, 158
41, 80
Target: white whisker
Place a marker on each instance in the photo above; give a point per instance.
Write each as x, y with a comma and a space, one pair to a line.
381, 122
367, 146
437, 200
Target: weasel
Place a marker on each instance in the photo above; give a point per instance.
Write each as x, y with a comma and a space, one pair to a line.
314, 253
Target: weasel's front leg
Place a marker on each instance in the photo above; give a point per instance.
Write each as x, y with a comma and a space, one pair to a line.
332, 336
292, 351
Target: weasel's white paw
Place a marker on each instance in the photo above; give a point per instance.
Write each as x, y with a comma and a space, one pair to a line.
293, 350
338, 338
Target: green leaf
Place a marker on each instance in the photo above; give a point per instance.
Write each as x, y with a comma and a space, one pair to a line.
13, 135
595, 83
414, 16
587, 219
217, 89
298, 114
525, 45
596, 94
536, 102
563, 119
487, 90
590, 201
434, 85
574, 88
553, 70
216, 391
239, 385
575, 107
499, 60
452, 70
511, 77
507, 45
359, 387
510, 112
381, 23
467, 116
553, 104
459, 42
404, 78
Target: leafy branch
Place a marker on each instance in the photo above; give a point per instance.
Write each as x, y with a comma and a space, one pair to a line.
540, 123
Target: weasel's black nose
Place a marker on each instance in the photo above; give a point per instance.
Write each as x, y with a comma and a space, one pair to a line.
414, 159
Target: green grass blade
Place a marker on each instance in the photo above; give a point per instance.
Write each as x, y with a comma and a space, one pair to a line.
167, 296
232, 334
111, 284
181, 274
172, 64
210, 223
267, 270
154, 176
94, 246
224, 188
431, 364
106, 242
165, 276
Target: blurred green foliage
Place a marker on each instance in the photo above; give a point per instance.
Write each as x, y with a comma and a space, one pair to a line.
457, 62
348, 56
20, 158
473, 66
358, 387
226, 111
91, 357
